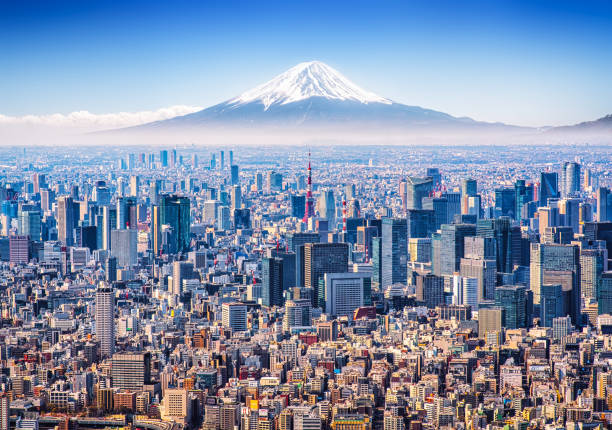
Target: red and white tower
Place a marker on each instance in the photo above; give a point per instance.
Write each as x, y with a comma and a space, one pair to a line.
309, 210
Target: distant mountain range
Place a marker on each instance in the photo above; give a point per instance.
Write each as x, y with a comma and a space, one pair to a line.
314, 95
601, 126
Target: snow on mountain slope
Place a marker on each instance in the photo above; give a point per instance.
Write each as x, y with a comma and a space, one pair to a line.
309, 79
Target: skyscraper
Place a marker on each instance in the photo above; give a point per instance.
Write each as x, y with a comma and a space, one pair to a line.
131, 371
505, 203
272, 281
175, 212
551, 264
376, 261
29, 223
549, 187
452, 246
440, 208
327, 206
295, 243
604, 209
604, 294
430, 290
321, 258
5, 412
234, 179
124, 247
551, 304
65, 220
234, 316
516, 301
523, 194
298, 205
105, 320
570, 179
416, 189
236, 197
345, 292
507, 240
484, 271
181, 270
421, 222
394, 251
593, 263
469, 188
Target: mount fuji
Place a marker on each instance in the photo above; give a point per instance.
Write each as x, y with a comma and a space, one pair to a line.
314, 95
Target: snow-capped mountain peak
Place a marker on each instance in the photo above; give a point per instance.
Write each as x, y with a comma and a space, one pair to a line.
305, 80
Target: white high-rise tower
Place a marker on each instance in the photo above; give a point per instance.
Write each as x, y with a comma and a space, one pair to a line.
105, 320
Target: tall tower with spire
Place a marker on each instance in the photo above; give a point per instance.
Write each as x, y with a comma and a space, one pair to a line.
309, 210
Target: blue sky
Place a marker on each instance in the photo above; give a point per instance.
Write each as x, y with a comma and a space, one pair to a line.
522, 62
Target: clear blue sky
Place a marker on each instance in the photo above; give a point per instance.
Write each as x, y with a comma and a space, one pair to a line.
522, 62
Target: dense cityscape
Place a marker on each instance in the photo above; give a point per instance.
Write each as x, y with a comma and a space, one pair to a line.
321, 288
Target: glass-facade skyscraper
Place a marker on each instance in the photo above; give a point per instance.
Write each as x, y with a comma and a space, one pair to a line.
394, 251
175, 212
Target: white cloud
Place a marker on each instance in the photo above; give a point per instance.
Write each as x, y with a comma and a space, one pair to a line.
89, 121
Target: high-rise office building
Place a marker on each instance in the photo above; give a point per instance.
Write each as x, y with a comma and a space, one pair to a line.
549, 187
604, 294
124, 247
421, 222
551, 304
452, 246
234, 179
377, 265
593, 263
604, 204
19, 249
131, 371
295, 243
298, 205
552, 263
345, 292
163, 157
517, 303
440, 208
484, 271
236, 197
469, 188
181, 270
242, 219
298, 313
523, 194
505, 203
570, 179
419, 249
289, 267
416, 189
223, 218
29, 223
175, 212
234, 316
321, 258
430, 290
134, 185
5, 412
105, 320
327, 206
65, 220
434, 174
272, 281
394, 251
490, 320
508, 241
